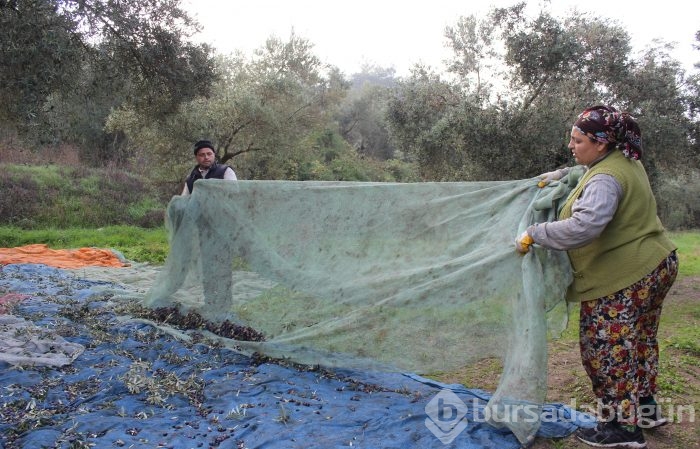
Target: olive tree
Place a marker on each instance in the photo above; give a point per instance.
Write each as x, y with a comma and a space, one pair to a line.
57, 56
514, 122
260, 113
362, 114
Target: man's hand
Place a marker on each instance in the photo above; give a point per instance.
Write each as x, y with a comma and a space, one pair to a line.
522, 243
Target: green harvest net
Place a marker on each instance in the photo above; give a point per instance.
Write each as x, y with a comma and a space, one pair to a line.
419, 277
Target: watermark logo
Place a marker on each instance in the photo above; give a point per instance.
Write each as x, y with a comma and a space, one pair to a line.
446, 416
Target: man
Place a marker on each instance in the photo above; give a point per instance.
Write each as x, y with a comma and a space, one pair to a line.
207, 167
217, 281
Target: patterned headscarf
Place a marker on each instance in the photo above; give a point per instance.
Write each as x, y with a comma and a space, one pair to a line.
605, 124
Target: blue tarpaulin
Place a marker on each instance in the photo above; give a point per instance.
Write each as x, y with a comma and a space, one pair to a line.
138, 386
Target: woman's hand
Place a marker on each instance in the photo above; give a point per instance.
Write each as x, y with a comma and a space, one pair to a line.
546, 178
523, 242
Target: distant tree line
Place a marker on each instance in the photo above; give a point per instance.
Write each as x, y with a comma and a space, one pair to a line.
123, 83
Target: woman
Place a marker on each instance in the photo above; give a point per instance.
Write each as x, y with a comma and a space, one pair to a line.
623, 265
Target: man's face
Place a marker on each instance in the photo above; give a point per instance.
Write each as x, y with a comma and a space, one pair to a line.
205, 158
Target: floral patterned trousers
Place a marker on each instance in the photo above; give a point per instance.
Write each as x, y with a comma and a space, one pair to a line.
617, 336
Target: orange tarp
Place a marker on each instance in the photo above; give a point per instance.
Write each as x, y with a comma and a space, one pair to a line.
60, 258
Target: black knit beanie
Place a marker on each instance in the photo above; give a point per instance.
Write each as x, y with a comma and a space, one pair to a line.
203, 144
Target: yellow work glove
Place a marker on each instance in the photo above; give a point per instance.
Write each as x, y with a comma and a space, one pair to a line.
522, 243
546, 178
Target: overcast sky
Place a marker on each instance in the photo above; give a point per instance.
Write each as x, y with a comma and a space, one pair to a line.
399, 33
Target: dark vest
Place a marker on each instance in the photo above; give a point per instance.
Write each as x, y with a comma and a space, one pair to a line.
216, 172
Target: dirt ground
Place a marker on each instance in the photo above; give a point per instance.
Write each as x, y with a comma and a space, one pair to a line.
567, 379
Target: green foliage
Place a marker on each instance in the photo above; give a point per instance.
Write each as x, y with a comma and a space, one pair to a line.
257, 115
33, 35
135, 243
326, 156
63, 197
55, 54
676, 197
362, 114
471, 40
514, 84
45, 177
419, 113
470, 128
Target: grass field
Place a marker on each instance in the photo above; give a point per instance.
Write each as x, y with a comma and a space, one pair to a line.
137, 244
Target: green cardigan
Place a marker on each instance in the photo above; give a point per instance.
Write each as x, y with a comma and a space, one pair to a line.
632, 244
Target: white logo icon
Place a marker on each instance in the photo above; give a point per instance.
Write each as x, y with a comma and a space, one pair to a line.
446, 416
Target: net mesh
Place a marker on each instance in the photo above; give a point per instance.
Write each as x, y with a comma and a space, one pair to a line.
419, 277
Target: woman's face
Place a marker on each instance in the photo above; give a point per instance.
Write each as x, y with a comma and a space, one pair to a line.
584, 149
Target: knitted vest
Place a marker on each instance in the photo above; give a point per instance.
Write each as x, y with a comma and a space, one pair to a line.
632, 244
